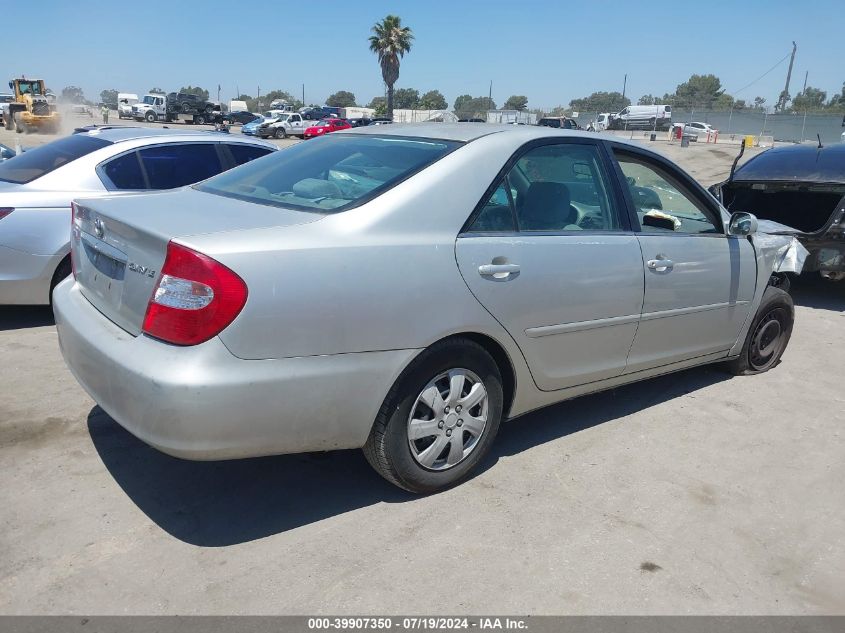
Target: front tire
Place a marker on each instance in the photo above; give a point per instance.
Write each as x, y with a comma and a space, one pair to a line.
281, 133
199, 119
439, 419
768, 335
150, 117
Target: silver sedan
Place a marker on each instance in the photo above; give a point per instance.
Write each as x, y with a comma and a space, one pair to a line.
36, 189
406, 288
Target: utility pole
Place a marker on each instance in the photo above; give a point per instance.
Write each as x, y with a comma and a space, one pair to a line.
624, 85
258, 99
806, 75
218, 93
784, 96
490, 96
303, 95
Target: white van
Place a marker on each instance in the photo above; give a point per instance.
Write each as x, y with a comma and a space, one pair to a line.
647, 117
125, 101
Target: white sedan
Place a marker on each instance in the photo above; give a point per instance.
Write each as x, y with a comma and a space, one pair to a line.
36, 189
699, 129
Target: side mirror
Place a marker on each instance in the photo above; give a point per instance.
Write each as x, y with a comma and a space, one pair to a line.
742, 224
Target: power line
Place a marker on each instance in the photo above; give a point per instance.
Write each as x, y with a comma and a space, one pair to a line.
785, 57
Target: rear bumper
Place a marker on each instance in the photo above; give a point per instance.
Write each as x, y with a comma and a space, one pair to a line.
203, 403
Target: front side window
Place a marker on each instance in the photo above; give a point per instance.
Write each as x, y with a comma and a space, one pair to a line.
555, 188
171, 166
338, 173
243, 153
662, 202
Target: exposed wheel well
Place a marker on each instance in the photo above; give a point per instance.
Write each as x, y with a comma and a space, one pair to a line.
62, 270
503, 362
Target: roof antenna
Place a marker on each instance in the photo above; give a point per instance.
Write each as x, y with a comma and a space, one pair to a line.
819, 136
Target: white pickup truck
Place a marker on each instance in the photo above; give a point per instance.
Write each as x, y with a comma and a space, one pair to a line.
284, 124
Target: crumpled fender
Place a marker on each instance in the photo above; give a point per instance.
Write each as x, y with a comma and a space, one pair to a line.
777, 251
781, 250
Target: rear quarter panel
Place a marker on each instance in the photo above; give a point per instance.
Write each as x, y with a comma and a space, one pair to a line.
379, 277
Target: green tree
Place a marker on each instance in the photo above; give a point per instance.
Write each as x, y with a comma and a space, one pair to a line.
156, 91
809, 99
759, 103
699, 91
390, 41
433, 100
406, 99
468, 107
461, 103
601, 102
202, 93
723, 102
341, 99
516, 102
647, 100
109, 97
378, 103
73, 94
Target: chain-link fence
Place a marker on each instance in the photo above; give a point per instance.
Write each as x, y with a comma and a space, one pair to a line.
736, 124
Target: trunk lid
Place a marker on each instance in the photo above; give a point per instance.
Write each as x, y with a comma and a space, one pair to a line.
119, 243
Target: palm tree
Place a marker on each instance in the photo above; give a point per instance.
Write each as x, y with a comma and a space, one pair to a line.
390, 42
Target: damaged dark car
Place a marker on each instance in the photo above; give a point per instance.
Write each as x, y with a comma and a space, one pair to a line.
802, 187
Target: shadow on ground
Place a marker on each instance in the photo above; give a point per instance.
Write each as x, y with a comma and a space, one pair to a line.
21, 317
811, 291
214, 504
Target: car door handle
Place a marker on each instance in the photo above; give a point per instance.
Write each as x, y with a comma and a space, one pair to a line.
501, 270
661, 264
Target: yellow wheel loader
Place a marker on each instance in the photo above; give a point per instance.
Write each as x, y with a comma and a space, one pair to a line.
32, 110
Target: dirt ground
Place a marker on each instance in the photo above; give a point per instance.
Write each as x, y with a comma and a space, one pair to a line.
695, 493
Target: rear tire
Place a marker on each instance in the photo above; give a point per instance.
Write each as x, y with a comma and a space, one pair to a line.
423, 448
768, 335
63, 270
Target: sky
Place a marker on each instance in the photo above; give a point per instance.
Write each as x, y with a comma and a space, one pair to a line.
550, 51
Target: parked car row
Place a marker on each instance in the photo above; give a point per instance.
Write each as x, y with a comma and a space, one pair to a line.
295, 303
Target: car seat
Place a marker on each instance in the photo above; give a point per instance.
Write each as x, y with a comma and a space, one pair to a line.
547, 207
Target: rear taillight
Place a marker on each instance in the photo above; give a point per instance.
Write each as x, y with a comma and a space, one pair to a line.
75, 234
4, 211
195, 299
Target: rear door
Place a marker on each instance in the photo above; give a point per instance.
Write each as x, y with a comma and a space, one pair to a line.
549, 254
699, 282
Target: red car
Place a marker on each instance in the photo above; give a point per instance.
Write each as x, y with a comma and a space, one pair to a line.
326, 126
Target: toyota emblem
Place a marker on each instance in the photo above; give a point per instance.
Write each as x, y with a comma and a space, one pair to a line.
99, 228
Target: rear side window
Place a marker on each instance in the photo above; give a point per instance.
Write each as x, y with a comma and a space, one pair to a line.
170, 166
42, 160
245, 153
330, 174
559, 187
124, 172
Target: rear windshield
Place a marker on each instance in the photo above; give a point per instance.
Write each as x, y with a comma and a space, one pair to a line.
42, 160
330, 174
